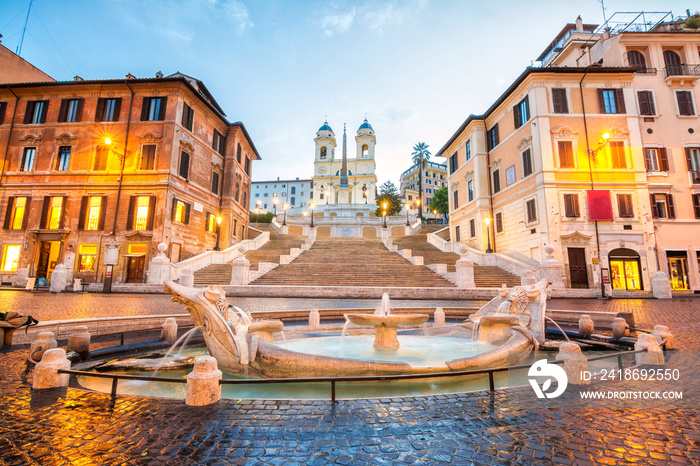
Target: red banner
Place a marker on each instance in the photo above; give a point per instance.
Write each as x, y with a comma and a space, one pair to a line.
599, 205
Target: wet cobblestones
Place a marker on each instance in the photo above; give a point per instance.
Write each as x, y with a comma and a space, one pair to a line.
62, 427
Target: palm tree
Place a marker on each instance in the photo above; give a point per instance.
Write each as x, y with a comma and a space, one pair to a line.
420, 155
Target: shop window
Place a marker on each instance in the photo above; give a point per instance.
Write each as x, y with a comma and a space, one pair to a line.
10, 257
86, 257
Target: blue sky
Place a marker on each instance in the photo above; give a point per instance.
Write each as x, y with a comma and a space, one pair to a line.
417, 68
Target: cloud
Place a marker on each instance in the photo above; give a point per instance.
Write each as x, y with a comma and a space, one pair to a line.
337, 22
378, 17
237, 13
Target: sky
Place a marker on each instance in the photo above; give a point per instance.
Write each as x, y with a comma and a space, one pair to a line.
415, 68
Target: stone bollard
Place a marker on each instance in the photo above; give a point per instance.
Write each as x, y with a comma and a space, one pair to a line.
20, 278
203, 386
187, 278
654, 355
58, 279
44, 342
169, 332
314, 319
465, 273
439, 317
575, 363
528, 278
661, 286
240, 270
663, 334
585, 326
46, 372
79, 341
620, 328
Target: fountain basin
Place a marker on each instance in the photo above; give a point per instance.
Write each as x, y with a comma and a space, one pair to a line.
385, 326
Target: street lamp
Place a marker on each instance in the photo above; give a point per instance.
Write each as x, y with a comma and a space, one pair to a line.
384, 214
274, 205
312, 205
285, 206
488, 235
418, 207
218, 232
408, 206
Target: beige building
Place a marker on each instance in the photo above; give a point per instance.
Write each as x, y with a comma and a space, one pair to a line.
434, 177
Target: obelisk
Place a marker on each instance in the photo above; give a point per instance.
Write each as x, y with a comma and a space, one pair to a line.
344, 188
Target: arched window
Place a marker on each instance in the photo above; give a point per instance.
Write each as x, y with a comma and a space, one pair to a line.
636, 59
365, 150
338, 173
324, 152
237, 192
673, 63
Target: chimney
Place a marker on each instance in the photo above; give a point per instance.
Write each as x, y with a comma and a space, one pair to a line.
77, 78
159, 74
579, 24
130, 76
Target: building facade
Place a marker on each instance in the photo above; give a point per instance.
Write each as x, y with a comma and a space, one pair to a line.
294, 193
362, 178
434, 178
97, 173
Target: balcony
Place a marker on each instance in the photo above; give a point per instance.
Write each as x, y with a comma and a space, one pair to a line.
695, 177
641, 70
682, 73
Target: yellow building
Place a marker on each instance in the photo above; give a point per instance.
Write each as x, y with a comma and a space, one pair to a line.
434, 177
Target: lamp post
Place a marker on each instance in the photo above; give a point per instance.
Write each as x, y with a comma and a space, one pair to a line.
487, 220
285, 206
384, 214
419, 212
312, 205
274, 205
408, 207
218, 232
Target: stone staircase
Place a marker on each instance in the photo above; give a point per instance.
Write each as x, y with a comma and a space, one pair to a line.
278, 245
484, 276
352, 262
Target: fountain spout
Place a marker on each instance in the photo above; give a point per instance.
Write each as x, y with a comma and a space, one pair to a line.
385, 323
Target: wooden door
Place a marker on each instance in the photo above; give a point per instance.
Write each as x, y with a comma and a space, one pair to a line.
134, 270
42, 267
577, 268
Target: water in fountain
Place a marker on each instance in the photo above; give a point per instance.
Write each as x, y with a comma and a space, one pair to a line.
185, 337
557, 325
246, 318
385, 307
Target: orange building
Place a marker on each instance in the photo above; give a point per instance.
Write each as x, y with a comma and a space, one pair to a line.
95, 174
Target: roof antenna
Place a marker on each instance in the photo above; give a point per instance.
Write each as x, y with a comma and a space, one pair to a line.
602, 6
21, 41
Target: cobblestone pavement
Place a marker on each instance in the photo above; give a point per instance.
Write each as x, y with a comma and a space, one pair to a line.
52, 427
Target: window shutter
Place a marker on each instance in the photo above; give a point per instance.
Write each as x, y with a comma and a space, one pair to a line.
83, 212
516, 115
184, 115
64, 203
144, 108
151, 212
173, 210
100, 110
103, 213
663, 159
44, 111
682, 103
643, 97
688, 160
495, 129
696, 205
601, 100
206, 222
620, 101
27, 204
3, 109
8, 213
163, 104
117, 109
132, 210
574, 202
187, 214
654, 207
556, 101
671, 208
79, 110
646, 159
45, 212
63, 109
28, 112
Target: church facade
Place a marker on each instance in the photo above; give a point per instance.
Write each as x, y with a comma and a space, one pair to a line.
329, 185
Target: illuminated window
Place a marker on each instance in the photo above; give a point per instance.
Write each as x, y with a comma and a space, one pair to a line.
142, 205
181, 211
93, 213
617, 153
10, 257
28, 159
63, 158
16, 212
53, 222
137, 249
86, 260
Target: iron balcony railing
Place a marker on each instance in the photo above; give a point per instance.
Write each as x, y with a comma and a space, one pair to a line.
682, 70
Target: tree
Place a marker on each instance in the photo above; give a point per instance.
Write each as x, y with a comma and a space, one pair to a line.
389, 194
440, 202
420, 155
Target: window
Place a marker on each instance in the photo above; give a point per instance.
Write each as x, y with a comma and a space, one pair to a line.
531, 211
17, 213
559, 102
457, 238
499, 222
692, 160
662, 206
696, 205
247, 165
453, 163
527, 163
10, 257
496, 180
53, 212
86, 257
92, 213
324, 152
215, 182
63, 158
181, 211
428, 190
148, 157
472, 228
656, 159
184, 170
28, 159
108, 109
210, 224
218, 142
427, 181
635, 59
510, 175
571, 209
686, 106
470, 190
187, 117
646, 103
237, 192
141, 210
3, 109
624, 206
70, 110
468, 150
293, 201
492, 137
521, 112
455, 199
36, 112
153, 108
566, 154
101, 156
245, 198
611, 101
365, 150
617, 154
673, 63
